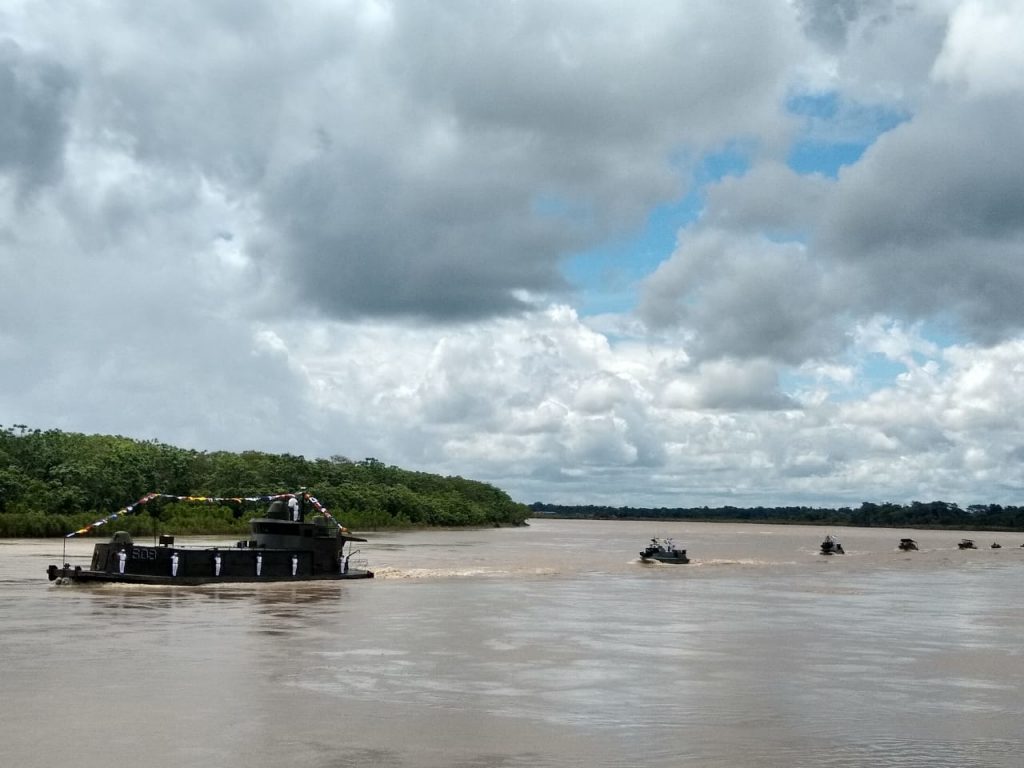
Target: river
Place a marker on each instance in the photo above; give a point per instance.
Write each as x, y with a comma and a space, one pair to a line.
548, 645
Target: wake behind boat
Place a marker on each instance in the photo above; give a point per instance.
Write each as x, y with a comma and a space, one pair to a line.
663, 551
284, 546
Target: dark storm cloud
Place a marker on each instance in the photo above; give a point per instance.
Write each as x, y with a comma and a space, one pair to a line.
363, 238
952, 172
893, 43
829, 21
933, 217
928, 224
771, 198
745, 298
409, 159
469, 148
35, 95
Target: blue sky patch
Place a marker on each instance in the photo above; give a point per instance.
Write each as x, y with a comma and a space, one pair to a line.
606, 277
834, 132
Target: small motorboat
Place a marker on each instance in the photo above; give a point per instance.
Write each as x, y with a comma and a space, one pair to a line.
996, 545
966, 544
663, 551
831, 546
907, 545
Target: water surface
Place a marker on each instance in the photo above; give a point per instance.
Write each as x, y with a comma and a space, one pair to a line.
543, 646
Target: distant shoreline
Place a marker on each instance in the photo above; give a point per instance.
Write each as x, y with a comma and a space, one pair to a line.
768, 521
936, 515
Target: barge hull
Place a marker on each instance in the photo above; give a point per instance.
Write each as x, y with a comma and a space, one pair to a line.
79, 576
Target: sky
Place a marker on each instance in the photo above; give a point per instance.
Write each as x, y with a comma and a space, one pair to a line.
693, 253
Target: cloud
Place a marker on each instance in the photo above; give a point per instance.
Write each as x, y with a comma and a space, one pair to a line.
428, 195
944, 423
343, 229
981, 49
745, 297
37, 93
874, 51
400, 158
727, 385
769, 198
926, 225
931, 217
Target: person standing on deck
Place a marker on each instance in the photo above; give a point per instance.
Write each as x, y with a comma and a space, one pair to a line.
121, 557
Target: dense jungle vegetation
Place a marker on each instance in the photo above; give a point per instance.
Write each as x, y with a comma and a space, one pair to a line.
932, 514
54, 482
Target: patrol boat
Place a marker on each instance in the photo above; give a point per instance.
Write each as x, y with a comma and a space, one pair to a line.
663, 551
831, 546
283, 546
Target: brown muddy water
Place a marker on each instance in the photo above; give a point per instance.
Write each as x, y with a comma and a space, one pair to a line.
543, 646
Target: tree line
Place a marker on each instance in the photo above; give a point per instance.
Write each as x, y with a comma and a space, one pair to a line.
917, 514
53, 482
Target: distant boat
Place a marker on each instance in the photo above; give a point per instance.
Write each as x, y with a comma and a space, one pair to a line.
907, 545
831, 546
996, 545
663, 551
966, 544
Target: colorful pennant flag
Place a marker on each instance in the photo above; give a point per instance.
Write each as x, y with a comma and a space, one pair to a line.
208, 500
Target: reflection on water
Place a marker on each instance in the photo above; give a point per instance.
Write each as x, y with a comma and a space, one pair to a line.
545, 646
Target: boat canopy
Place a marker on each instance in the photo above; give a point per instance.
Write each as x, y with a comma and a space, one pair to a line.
277, 500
